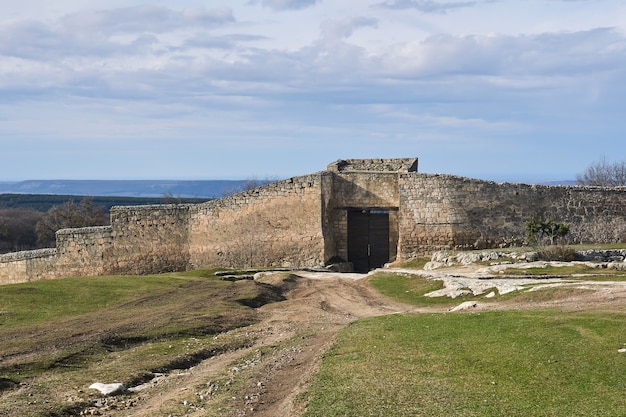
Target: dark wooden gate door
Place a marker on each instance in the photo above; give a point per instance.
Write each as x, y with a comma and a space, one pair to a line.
368, 239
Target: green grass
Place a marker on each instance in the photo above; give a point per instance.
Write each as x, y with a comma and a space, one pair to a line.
39, 301
414, 263
512, 363
70, 332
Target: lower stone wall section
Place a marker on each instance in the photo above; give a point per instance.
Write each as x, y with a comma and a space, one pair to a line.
27, 266
148, 239
82, 251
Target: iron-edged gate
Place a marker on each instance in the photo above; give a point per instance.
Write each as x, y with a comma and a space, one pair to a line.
368, 239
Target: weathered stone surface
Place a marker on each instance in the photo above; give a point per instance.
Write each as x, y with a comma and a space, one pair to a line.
612, 255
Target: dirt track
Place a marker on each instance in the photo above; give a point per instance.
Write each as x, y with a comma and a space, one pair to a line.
288, 346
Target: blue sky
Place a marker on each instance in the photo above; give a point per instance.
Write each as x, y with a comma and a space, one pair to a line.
185, 89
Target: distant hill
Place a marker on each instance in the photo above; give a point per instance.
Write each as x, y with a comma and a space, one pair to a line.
144, 188
44, 202
125, 188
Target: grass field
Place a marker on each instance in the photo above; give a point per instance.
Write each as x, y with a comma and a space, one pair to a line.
498, 363
510, 363
68, 332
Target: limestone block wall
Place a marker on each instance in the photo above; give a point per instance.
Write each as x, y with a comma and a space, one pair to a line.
279, 224
82, 251
27, 266
148, 239
443, 211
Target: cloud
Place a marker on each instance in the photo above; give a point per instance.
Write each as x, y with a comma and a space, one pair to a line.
506, 55
425, 6
105, 33
280, 5
145, 18
41, 42
341, 29
163, 55
225, 42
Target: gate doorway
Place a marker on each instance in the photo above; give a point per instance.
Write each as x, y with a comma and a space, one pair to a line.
368, 239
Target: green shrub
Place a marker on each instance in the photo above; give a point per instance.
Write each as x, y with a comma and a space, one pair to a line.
540, 230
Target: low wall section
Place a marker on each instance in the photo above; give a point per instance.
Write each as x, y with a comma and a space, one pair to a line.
27, 266
443, 211
279, 224
81, 251
140, 240
148, 239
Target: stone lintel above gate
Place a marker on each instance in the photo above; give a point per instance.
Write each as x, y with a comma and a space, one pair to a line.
374, 165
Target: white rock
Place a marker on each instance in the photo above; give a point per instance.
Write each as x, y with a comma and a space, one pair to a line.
622, 350
621, 266
465, 306
108, 389
490, 295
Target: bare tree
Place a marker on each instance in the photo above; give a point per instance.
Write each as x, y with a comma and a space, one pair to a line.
17, 229
250, 184
603, 173
69, 215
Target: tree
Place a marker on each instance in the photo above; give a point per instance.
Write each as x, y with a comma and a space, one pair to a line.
539, 229
603, 173
250, 184
69, 215
17, 229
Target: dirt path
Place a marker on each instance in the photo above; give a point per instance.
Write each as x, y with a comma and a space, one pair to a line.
265, 379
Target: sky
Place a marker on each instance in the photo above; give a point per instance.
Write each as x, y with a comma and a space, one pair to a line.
505, 90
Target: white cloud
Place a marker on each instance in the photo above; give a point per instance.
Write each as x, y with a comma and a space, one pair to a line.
547, 54
426, 6
340, 29
145, 18
286, 4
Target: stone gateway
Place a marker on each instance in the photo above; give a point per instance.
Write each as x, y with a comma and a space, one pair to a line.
366, 211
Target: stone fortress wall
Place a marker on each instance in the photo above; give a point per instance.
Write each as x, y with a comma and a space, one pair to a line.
279, 224
303, 222
444, 211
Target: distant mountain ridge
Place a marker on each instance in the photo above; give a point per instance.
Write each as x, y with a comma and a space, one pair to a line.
126, 188
144, 188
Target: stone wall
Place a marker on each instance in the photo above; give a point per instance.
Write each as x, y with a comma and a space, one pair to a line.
82, 251
302, 222
443, 211
279, 224
27, 266
149, 239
